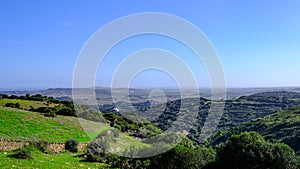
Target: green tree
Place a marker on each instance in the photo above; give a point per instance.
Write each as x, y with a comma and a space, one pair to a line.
251, 151
181, 157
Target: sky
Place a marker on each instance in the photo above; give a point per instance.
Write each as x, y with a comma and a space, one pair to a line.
258, 42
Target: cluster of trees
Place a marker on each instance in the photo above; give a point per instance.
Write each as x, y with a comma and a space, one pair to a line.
53, 111
247, 150
135, 125
12, 105
282, 126
62, 107
36, 97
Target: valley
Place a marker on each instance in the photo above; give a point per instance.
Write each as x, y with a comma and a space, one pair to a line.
138, 127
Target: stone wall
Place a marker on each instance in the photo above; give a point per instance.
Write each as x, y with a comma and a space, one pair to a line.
7, 145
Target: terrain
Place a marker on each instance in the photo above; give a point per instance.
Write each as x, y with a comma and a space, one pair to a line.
124, 127
25, 125
282, 126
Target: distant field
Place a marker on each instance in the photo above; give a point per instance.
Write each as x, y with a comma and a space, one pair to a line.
27, 104
24, 125
40, 160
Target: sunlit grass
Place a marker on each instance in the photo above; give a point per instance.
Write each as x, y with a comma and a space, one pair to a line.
40, 160
24, 125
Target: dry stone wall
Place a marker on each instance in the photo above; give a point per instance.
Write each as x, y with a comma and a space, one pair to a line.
7, 145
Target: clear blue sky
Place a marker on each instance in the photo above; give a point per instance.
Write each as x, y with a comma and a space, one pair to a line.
258, 42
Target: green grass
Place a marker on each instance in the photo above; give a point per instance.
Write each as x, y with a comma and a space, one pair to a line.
40, 160
27, 104
18, 124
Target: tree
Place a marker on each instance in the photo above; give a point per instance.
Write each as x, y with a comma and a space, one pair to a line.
251, 151
182, 157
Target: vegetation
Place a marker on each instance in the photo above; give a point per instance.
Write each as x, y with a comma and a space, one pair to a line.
251, 151
22, 153
135, 125
236, 111
50, 107
126, 137
244, 151
182, 157
24, 125
71, 145
282, 126
41, 160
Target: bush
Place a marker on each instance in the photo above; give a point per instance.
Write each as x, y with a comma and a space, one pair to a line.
40, 145
12, 105
50, 114
22, 153
181, 157
66, 111
71, 145
96, 150
251, 151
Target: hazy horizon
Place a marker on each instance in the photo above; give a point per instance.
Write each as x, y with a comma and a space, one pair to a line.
145, 88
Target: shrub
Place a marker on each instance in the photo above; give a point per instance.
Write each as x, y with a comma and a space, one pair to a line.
181, 157
251, 151
67, 111
22, 153
96, 150
40, 145
71, 145
12, 105
50, 114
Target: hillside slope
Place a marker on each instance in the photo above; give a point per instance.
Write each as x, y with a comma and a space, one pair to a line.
282, 126
18, 124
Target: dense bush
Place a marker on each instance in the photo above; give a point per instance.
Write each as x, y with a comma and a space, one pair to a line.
47, 111
97, 150
71, 145
66, 111
181, 157
251, 151
22, 153
12, 105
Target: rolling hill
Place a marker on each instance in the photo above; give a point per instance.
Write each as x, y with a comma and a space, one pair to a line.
18, 124
282, 126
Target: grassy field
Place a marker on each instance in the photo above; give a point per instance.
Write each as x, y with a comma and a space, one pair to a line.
40, 160
18, 124
27, 104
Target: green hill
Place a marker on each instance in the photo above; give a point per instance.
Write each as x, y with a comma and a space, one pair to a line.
18, 124
282, 126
